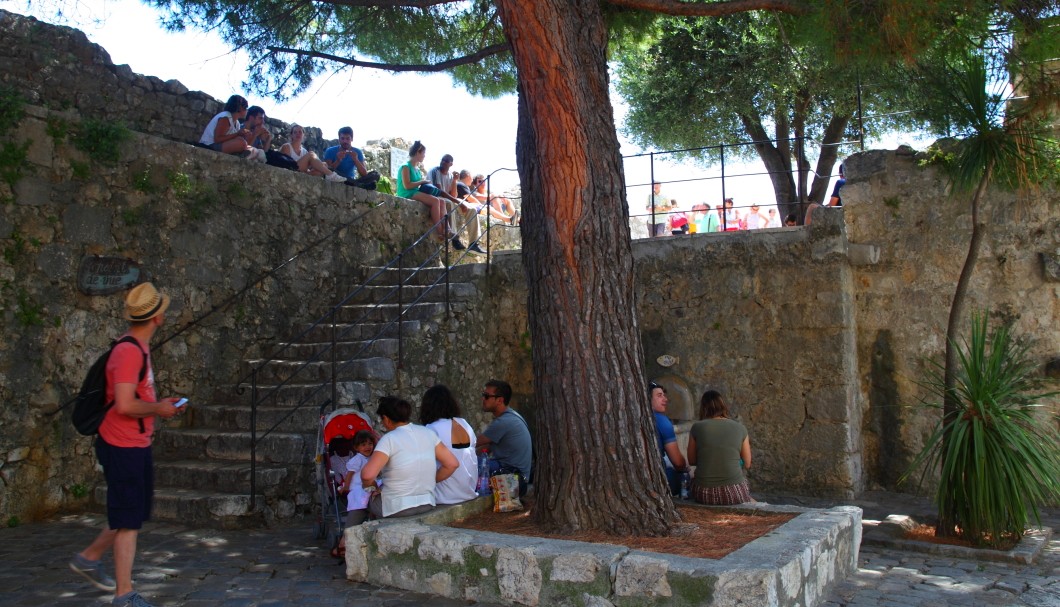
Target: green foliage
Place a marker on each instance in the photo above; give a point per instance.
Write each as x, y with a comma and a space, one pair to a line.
28, 313
78, 490
11, 109
57, 129
710, 81
81, 170
1001, 460
142, 182
198, 197
12, 160
180, 183
132, 217
236, 191
396, 35
101, 140
13, 521
14, 251
384, 186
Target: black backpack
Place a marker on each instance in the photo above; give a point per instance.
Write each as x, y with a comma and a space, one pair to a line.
90, 406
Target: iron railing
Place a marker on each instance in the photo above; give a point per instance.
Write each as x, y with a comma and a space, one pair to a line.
260, 397
800, 169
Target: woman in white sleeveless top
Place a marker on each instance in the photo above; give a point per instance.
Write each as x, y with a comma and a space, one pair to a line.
440, 412
307, 160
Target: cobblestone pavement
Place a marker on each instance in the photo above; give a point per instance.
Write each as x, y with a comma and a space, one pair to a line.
287, 566
896, 578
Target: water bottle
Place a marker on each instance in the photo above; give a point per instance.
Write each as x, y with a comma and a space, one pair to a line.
483, 487
685, 481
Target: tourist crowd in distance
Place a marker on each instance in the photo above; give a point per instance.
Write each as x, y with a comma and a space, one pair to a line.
664, 215
455, 199
413, 467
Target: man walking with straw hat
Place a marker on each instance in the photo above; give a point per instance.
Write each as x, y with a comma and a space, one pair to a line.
123, 447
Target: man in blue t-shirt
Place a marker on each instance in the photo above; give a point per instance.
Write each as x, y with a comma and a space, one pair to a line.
668, 447
344, 158
508, 437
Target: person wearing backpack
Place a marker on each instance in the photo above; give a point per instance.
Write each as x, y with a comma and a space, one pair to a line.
123, 447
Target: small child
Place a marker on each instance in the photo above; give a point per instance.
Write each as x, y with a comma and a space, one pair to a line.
357, 500
339, 455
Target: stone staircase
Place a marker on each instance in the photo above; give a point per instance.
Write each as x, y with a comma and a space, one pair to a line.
203, 466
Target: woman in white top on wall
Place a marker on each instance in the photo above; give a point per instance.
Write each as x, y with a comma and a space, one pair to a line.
306, 159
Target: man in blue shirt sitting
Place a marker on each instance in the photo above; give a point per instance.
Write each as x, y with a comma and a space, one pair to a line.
668, 447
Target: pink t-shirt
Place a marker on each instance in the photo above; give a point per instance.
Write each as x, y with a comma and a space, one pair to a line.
123, 367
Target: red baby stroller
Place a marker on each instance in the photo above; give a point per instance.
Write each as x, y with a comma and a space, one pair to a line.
338, 424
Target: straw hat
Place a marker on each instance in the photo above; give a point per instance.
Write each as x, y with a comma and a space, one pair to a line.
145, 302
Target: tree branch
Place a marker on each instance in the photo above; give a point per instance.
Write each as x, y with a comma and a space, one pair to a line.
475, 57
388, 3
713, 9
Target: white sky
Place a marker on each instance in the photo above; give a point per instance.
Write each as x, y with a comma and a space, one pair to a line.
479, 133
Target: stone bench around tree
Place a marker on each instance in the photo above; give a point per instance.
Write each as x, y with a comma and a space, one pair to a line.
795, 564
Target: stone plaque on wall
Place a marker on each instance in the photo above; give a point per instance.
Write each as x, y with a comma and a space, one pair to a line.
105, 275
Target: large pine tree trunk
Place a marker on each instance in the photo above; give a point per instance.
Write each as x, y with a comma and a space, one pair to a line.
598, 466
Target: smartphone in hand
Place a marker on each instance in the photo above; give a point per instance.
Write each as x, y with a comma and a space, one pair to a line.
180, 403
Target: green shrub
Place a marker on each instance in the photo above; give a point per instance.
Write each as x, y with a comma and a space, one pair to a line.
1002, 462
12, 160
101, 140
81, 170
57, 129
11, 109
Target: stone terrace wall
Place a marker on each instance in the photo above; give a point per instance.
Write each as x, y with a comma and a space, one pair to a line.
203, 225
779, 344
902, 303
57, 67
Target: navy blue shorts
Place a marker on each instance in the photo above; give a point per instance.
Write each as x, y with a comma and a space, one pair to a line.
130, 478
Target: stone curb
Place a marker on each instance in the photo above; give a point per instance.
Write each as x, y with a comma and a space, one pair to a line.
888, 534
796, 564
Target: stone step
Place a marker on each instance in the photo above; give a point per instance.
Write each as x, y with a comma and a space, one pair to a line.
420, 293
309, 395
361, 331
228, 477
364, 369
344, 350
236, 418
375, 313
196, 508
425, 276
210, 444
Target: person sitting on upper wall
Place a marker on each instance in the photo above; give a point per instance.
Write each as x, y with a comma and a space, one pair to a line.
307, 160
720, 450
348, 161
224, 134
412, 185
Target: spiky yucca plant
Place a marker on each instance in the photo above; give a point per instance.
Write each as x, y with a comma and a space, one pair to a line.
1000, 462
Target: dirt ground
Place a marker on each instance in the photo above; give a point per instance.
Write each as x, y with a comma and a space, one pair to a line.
705, 532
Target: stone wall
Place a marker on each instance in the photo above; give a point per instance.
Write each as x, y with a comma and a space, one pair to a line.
203, 225
58, 68
902, 303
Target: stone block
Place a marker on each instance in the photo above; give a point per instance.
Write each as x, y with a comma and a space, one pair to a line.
643, 577
87, 225
519, 576
32, 191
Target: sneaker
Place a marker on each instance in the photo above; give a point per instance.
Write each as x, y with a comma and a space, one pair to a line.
476, 249
93, 572
459, 246
334, 177
133, 599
